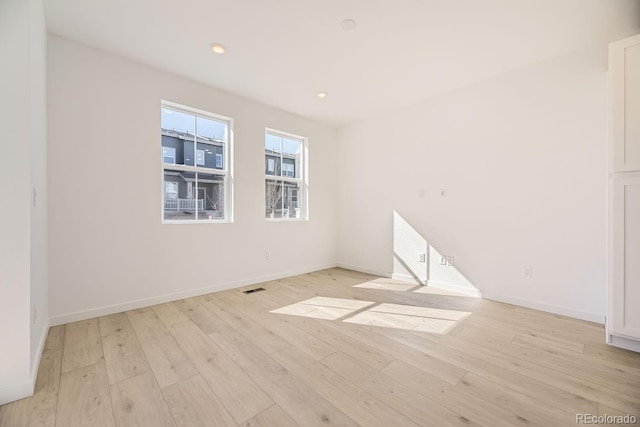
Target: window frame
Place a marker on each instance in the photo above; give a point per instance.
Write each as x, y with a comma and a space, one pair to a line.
226, 171
204, 159
302, 181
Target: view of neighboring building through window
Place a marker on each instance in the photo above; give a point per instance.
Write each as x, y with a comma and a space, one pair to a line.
285, 185
195, 149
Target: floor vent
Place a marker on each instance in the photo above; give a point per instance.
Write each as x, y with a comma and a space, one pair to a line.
250, 291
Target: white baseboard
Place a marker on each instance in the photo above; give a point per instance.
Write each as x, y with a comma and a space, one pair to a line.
10, 393
39, 351
455, 288
364, 270
555, 309
406, 278
132, 305
549, 308
623, 342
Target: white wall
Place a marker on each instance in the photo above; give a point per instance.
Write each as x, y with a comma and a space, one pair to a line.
38, 147
523, 160
23, 280
108, 248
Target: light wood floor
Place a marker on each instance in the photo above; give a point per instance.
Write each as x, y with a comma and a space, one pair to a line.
224, 360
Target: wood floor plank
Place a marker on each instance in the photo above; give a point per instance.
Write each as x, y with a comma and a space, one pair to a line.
535, 327
613, 354
584, 386
306, 406
40, 409
15, 413
258, 311
621, 416
242, 397
548, 344
467, 360
372, 356
274, 416
169, 314
84, 399
452, 397
432, 365
260, 335
44, 401
468, 330
82, 345
226, 359
416, 407
123, 355
618, 379
360, 406
534, 411
167, 360
137, 401
193, 404
55, 338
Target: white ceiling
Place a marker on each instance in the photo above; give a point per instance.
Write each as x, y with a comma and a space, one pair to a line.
282, 52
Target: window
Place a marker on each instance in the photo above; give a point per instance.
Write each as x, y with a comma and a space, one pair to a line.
197, 184
171, 190
169, 155
285, 176
287, 169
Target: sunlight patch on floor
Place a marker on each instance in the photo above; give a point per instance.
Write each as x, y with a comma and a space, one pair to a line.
323, 308
438, 291
410, 310
407, 317
400, 321
423, 319
385, 285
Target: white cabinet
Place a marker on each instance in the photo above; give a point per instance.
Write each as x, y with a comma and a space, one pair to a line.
623, 305
624, 69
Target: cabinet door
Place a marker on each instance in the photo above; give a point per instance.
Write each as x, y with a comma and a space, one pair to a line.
624, 69
625, 289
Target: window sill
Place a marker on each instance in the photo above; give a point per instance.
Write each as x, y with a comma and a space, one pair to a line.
226, 221
286, 220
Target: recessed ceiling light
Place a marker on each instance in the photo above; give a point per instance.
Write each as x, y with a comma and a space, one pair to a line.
217, 48
322, 94
348, 24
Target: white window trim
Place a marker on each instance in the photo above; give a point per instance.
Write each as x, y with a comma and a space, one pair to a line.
198, 153
226, 173
303, 181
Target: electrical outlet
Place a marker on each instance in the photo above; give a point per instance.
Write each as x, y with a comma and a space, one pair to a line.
450, 261
267, 255
422, 257
443, 260
527, 272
